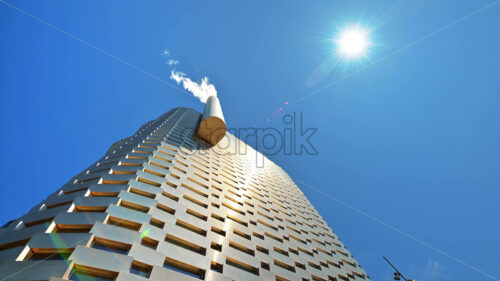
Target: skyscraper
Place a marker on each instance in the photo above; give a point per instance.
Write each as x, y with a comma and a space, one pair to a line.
164, 204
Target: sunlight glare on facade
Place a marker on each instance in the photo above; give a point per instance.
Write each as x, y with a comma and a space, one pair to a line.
168, 204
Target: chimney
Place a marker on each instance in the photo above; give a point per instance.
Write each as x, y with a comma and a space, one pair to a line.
212, 126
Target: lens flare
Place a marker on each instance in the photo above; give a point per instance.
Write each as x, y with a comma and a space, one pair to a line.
145, 232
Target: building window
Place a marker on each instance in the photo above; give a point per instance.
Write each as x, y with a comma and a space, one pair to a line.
191, 227
242, 265
42, 221
216, 267
196, 214
142, 192
218, 231
55, 254
59, 204
76, 228
165, 208
278, 250
263, 250
314, 265
216, 246
300, 265
89, 209
241, 248
184, 268
157, 223
185, 244
141, 269
124, 223
242, 234
90, 275
285, 266
133, 206
14, 244
150, 243
110, 246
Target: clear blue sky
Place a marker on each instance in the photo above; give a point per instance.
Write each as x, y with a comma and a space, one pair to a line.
411, 140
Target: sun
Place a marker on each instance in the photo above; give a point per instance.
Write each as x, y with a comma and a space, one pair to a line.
352, 42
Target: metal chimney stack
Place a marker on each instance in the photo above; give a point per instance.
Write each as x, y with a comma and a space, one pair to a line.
212, 126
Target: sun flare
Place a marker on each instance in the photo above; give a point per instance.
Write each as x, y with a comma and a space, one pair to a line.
352, 42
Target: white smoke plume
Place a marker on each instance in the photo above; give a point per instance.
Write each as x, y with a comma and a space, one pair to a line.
202, 90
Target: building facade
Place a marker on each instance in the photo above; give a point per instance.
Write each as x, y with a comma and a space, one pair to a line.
165, 205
